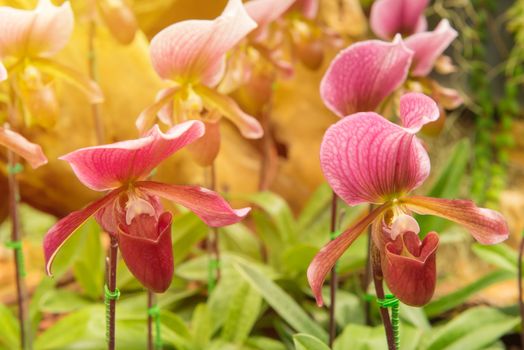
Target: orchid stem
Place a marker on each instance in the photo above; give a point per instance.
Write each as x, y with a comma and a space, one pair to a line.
519, 280
213, 243
14, 195
367, 276
333, 284
92, 63
112, 293
379, 289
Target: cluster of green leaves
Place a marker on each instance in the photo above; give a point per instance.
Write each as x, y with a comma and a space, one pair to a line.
262, 301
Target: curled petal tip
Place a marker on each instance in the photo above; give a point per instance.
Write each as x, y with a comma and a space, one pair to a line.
241, 213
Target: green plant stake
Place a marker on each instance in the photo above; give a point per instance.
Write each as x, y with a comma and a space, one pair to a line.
390, 301
108, 296
154, 312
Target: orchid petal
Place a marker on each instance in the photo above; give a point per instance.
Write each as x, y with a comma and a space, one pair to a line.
206, 204
363, 75
412, 276
41, 32
193, 50
119, 19
147, 117
205, 149
485, 225
227, 107
109, 166
368, 159
390, 17
327, 257
417, 110
23, 147
428, 46
266, 11
147, 250
63, 229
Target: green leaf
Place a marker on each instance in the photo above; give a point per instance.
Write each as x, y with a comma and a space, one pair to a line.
187, 231
9, 336
316, 208
308, 342
58, 301
415, 316
456, 298
281, 302
242, 314
263, 343
201, 326
447, 185
357, 337
89, 267
500, 255
238, 238
296, 259
472, 330
174, 330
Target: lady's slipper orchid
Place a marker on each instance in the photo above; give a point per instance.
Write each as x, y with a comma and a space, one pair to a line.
391, 17
24, 148
368, 159
28, 39
192, 55
364, 74
131, 210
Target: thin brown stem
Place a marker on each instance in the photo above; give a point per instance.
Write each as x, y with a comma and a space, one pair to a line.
379, 288
366, 279
519, 280
92, 68
150, 303
111, 262
14, 195
333, 284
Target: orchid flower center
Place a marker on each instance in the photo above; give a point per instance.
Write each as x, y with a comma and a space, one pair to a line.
136, 205
188, 104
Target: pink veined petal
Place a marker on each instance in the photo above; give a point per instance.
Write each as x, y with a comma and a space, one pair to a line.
147, 117
40, 32
363, 75
63, 229
105, 167
266, 11
149, 256
428, 46
24, 148
208, 205
390, 17
327, 257
227, 107
193, 50
485, 225
368, 159
417, 110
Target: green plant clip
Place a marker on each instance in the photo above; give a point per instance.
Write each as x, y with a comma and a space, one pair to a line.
19, 253
15, 169
390, 301
108, 296
212, 267
154, 312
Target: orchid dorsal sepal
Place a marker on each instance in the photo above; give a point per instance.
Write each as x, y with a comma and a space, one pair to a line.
391, 17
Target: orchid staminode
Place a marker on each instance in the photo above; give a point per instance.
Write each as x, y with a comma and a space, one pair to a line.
368, 159
191, 54
131, 210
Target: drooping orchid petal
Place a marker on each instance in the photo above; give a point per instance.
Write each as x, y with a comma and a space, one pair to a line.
64, 228
428, 46
24, 148
266, 11
147, 250
36, 33
226, 106
486, 225
324, 261
193, 51
208, 205
391, 17
105, 167
368, 159
409, 267
417, 110
363, 75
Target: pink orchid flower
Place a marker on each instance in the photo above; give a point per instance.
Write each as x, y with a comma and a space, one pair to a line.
28, 40
391, 17
367, 159
264, 12
191, 54
364, 74
24, 148
131, 209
